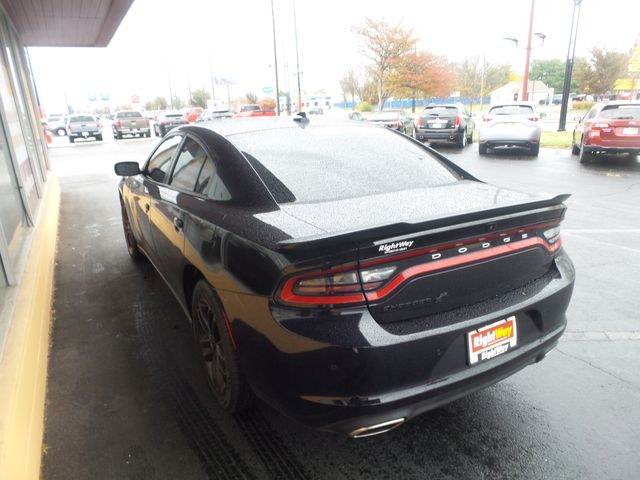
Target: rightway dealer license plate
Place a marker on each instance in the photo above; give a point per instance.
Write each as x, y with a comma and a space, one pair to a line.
492, 340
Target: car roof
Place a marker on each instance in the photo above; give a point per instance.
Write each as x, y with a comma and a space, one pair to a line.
510, 104
621, 102
238, 126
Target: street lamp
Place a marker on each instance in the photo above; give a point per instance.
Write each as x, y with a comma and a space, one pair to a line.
275, 59
568, 71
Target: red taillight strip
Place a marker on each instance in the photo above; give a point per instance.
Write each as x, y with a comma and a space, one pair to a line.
289, 296
424, 268
437, 248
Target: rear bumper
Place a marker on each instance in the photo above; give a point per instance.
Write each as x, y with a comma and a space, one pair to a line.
612, 150
87, 134
132, 131
340, 371
443, 135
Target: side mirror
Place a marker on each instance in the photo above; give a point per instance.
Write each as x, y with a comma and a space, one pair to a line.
543, 114
126, 169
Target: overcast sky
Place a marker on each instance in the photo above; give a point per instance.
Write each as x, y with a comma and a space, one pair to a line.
162, 39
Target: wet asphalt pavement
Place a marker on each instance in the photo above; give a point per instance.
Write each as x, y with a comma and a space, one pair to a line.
127, 400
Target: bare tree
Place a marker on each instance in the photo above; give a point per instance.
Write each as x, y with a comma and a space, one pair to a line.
383, 45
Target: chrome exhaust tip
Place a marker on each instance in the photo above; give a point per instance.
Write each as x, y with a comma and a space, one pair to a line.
376, 429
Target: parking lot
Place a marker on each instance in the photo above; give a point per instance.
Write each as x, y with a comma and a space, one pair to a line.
126, 397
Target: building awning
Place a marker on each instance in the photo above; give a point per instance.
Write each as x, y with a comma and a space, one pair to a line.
66, 23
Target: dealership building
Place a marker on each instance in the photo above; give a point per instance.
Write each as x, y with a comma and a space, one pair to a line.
29, 200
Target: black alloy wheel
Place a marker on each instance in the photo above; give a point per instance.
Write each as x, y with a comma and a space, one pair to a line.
462, 139
217, 350
129, 237
585, 156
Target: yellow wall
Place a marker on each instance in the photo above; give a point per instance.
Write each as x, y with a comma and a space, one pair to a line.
23, 367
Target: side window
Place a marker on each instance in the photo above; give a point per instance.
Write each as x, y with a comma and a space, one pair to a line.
188, 165
158, 166
592, 113
210, 184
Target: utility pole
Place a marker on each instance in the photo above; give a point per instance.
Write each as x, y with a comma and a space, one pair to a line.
213, 89
170, 91
525, 78
568, 71
295, 30
275, 59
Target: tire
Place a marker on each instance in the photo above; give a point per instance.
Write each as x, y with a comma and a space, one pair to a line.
585, 156
535, 150
575, 150
482, 149
162, 131
470, 138
219, 357
130, 238
72, 140
118, 136
98, 138
61, 132
462, 140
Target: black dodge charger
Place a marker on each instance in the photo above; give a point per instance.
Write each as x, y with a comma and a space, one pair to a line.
346, 274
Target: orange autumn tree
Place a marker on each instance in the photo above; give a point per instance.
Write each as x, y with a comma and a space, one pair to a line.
421, 74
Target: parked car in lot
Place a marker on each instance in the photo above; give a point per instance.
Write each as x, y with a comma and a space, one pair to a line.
214, 114
448, 123
316, 111
346, 274
254, 110
356, 116
83, 126
508, 125
608, 128
193, 113
394, 119
130, 123
57, 124
166, 121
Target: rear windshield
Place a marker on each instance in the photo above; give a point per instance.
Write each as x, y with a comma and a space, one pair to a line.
512, 110
172, 115
128, 115
439, 111
249, 108
82, 118
319, 164
383, 115
621, 112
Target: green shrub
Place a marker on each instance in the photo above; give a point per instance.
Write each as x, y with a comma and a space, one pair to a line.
364, 107
583, 105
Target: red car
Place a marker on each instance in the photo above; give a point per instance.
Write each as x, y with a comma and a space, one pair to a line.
608, 128
254, 110
193, 114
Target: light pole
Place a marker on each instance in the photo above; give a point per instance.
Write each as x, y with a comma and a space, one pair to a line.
525, 78
275, 59
295, 31
568, 71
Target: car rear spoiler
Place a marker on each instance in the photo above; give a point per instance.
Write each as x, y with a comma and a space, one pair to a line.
542, 209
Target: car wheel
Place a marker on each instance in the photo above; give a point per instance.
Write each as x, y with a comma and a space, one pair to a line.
470, 138
462, 140
482, 149
118, 136
72, 140
129, 237
575, 150
535, 150
162, 131
61, 132
99, 138
585, 156
217, 350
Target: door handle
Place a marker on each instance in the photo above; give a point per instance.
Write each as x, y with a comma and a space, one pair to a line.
146, 207
178, 224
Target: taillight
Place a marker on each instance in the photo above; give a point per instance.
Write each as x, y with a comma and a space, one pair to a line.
600, 125
419, 122
69, 127
98, 124
118, 124
339, 287
378, 278
552, 235
146, 122
458, 120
